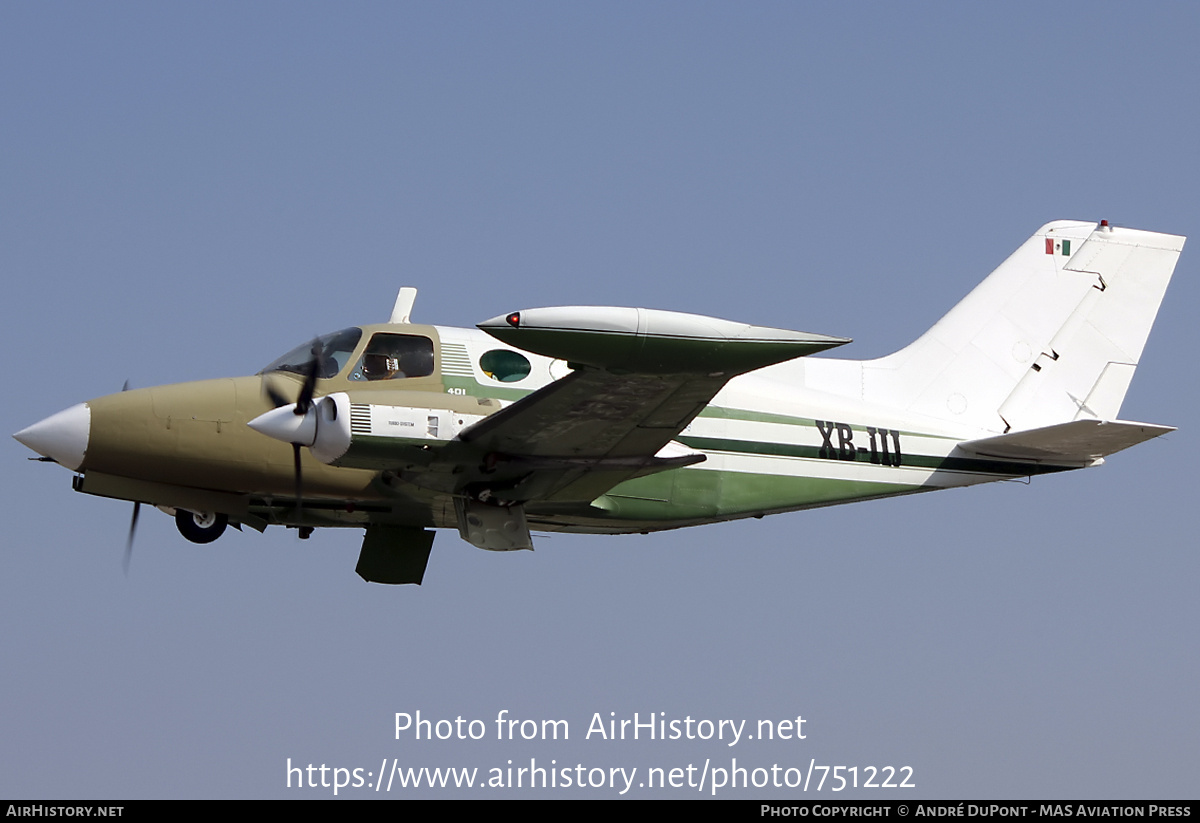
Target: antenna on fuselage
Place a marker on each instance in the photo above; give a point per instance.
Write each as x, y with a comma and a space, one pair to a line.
404, 303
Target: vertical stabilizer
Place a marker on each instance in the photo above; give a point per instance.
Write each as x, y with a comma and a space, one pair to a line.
1051, 336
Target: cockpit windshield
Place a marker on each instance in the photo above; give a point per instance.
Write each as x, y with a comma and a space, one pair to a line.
331, 350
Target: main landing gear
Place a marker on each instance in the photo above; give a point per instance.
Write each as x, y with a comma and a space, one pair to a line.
200, 527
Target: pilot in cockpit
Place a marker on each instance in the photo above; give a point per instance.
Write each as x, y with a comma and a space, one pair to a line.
395, 357
381, 366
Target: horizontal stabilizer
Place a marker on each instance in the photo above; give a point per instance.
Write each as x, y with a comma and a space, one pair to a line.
1080, 441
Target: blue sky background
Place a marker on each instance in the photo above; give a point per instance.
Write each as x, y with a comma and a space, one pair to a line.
187, 191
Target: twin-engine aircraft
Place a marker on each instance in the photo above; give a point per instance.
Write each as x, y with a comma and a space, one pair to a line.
617, 420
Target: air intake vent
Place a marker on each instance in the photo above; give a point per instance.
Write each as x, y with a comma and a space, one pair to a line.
360, 418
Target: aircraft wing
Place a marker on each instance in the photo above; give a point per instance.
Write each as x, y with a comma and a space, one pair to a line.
581, 435
640, 376
595, 415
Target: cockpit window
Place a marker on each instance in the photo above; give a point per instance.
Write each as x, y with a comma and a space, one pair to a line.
395, 356
332, 351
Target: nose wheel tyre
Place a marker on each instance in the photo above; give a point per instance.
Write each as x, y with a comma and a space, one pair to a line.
200, 527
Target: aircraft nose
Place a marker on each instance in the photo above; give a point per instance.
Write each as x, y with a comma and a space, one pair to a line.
62, 437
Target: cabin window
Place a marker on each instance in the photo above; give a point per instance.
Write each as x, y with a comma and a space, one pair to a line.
394, 357
505, 365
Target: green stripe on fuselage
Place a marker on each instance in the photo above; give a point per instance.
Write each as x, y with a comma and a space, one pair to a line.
726, 413
913, 461
698, 495
469, 386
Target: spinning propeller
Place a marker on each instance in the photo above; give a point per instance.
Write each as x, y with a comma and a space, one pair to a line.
300, 430
137, 508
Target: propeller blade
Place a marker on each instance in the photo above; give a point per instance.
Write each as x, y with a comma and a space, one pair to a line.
299, 481
137, 507
273, 394
304, 402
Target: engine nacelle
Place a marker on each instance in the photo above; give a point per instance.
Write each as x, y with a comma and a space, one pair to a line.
334, 428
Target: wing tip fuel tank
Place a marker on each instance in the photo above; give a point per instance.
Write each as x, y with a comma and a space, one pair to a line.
651, 340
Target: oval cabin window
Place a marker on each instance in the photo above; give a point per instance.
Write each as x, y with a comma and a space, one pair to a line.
505, 366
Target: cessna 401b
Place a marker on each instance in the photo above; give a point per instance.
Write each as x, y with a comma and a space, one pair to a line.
617, 420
